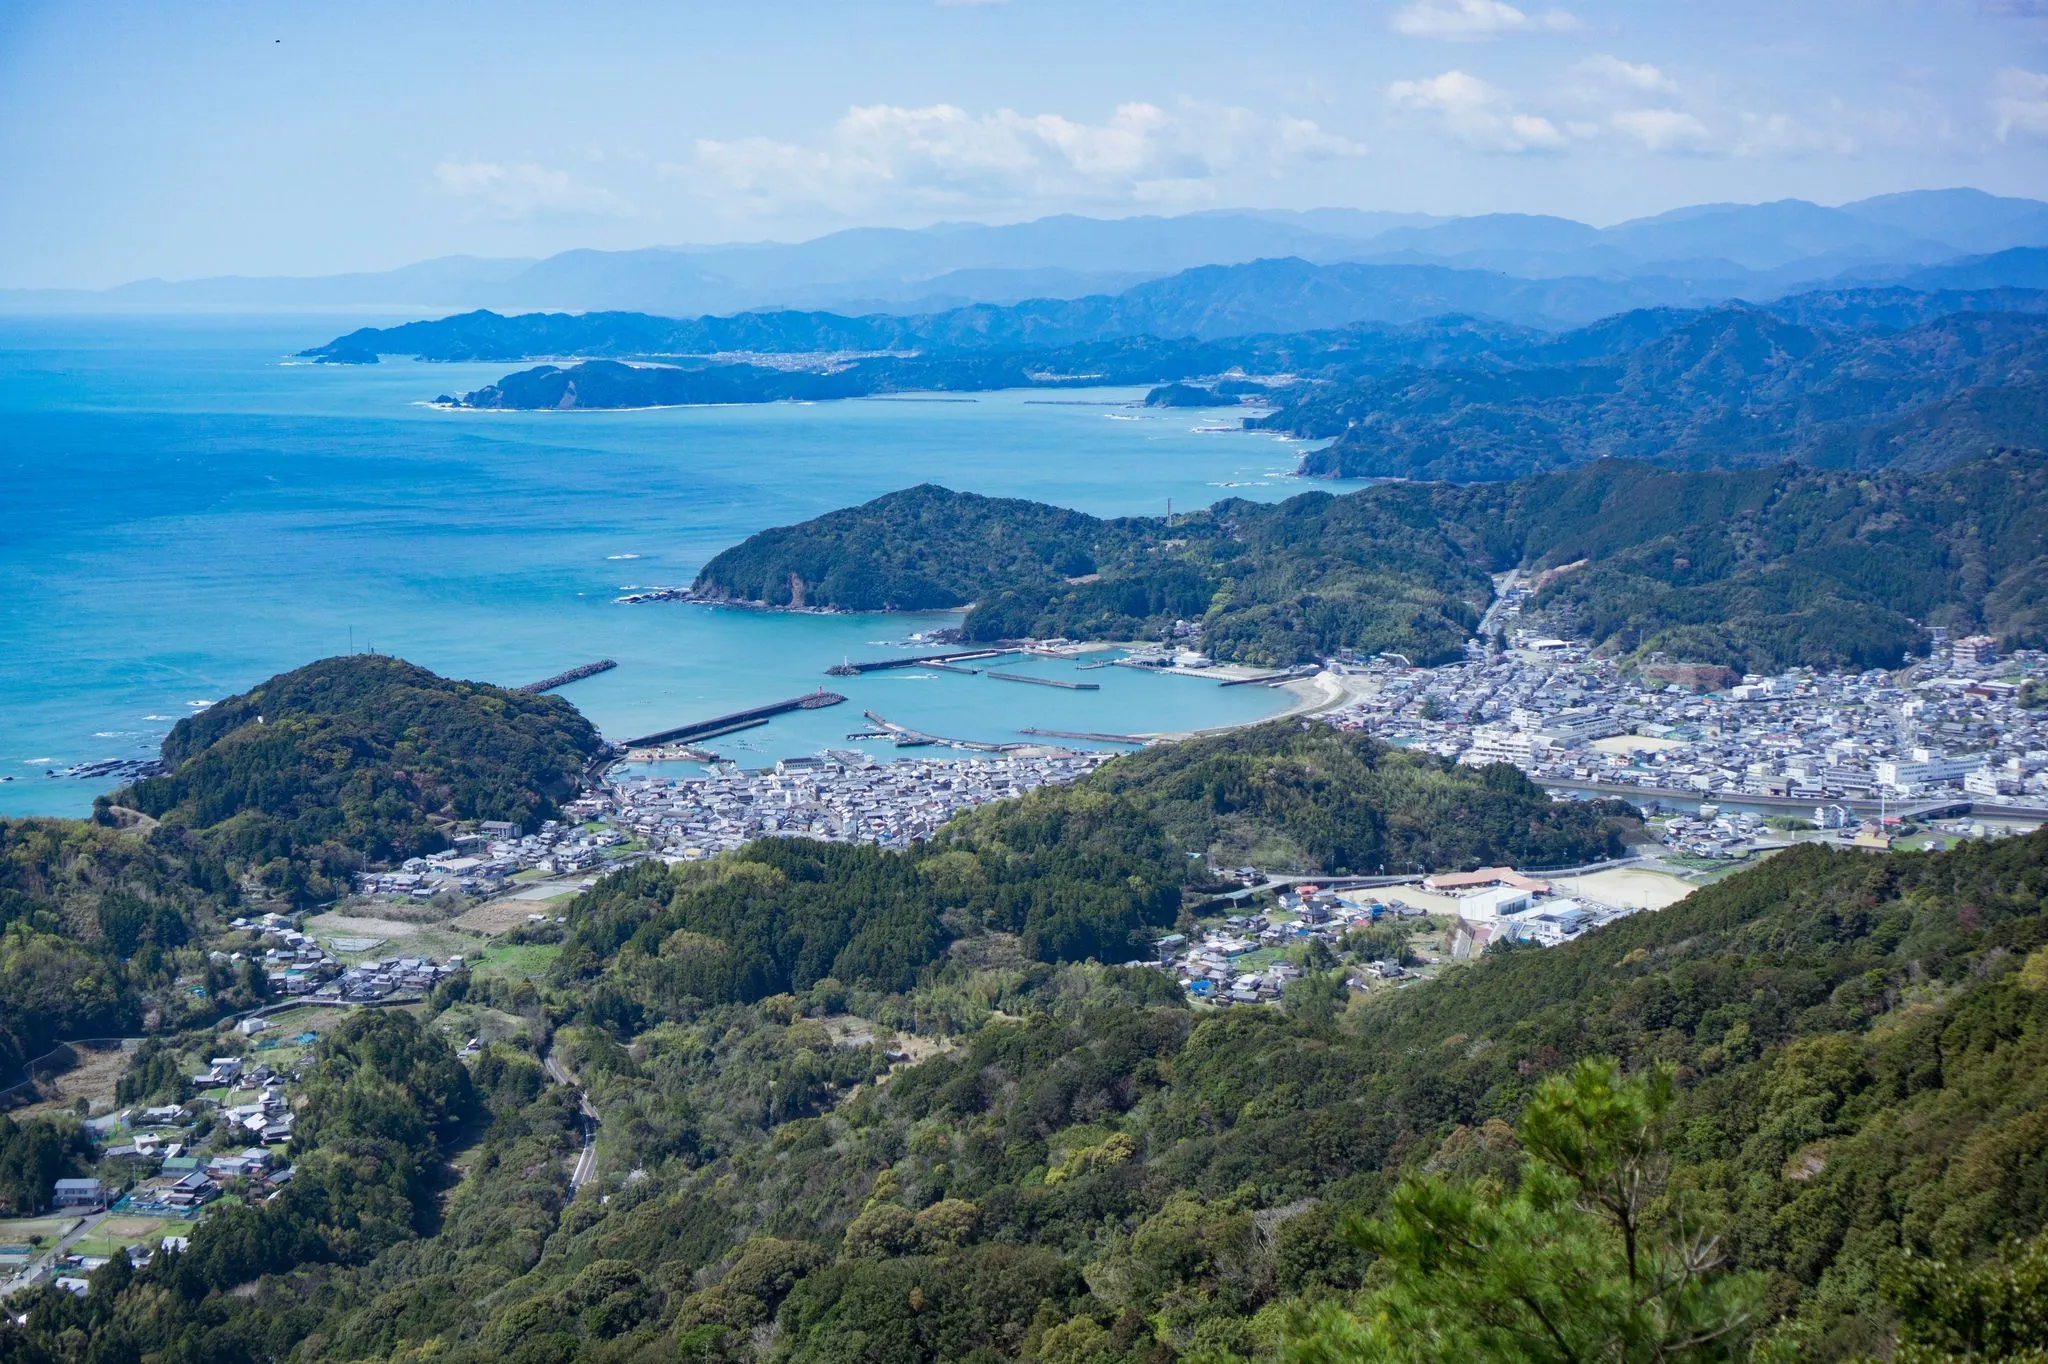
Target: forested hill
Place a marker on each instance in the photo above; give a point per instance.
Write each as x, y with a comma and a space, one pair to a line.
1097, 870
1856, 378
1728, 387
360, 756
1798, 1114
1757, 569
1273, 585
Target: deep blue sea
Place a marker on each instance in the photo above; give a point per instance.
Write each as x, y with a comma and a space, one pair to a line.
184, 511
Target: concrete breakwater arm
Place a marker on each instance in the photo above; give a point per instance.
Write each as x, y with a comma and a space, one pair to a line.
577, 674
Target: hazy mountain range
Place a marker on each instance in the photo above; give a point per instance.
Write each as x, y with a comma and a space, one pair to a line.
1704, 253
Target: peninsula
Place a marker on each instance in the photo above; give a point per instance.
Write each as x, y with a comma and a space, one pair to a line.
1755, 570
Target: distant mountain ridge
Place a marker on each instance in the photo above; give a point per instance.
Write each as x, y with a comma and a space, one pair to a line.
1280, 296
1856, 378
1747, 250
1720, 388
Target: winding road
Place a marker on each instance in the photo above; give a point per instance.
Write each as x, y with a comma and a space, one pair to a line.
586, 1159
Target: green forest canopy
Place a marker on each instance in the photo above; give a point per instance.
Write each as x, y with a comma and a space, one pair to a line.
1827, 1069
1095, 870
357, 757
1758, 569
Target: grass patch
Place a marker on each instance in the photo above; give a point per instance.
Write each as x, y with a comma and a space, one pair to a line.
37, 1231
519, 961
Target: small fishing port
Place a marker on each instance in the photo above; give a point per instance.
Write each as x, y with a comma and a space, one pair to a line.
737, 720
577, 674
1046, 681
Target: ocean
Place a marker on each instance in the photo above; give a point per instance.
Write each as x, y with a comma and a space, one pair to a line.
185, 511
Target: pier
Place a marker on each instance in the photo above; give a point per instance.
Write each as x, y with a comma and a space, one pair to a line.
1047, 682
907, 737
1273, 679
875, 665
603, 665
1086, 736
739, 719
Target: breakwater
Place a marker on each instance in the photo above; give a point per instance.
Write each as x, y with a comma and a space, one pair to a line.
1273, 679
1046, 682
906, 737
739, 719
1088, 736
603, 665
875, 665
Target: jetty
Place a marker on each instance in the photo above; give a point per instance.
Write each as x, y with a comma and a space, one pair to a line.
1046, 682
603, 665
1273, 679
1088, 737
875, 665
907, 737
739, 719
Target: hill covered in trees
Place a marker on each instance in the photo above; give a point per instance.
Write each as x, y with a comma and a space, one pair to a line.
96, 930
1758, 569
1866, 378
1728, 387
1795, 1116
360, 756
1095, 870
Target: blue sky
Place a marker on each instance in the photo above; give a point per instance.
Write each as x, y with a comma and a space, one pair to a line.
218, 137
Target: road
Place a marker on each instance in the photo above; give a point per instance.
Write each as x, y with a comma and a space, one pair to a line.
586, 1159
1500, 595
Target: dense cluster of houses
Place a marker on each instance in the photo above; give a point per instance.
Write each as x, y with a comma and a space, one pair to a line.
1236, 964
370, 982
1953, 725
301, 966
841, 797
293, 963
482, 862
1242, 960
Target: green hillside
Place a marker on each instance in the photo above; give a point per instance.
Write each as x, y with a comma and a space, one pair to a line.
360, 756
1096, 870
1829, 1073
1759, 569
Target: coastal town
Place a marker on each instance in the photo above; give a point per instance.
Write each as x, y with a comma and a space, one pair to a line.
840, 796
1961, 730
1725, 773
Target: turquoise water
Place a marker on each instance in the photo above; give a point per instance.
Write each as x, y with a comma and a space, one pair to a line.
183, 512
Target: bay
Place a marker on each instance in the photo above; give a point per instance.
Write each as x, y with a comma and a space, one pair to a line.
185, 511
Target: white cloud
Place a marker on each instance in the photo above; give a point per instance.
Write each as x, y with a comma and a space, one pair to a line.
523, 189
942, 155
1476, 113
1662, 130
2019, 99
1475, 21
1606, 72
